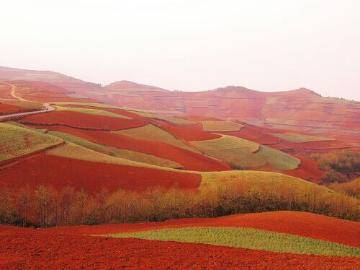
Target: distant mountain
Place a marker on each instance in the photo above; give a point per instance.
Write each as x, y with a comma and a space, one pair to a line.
132, 86
295, 109
78, 87
299, 109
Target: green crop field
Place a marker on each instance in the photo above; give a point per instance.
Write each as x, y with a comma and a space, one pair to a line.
115, 152
168, 118
74, 151
90, 104
154, 133
244, 154
299, 138
278, 159
221, 126
16, 141
91, 111
246, 238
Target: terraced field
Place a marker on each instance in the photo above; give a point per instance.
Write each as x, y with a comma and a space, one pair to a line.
246, 238
218, 126
81, 120
154, 133
16, 141
300, 138
115, 152
244, 154
91, 111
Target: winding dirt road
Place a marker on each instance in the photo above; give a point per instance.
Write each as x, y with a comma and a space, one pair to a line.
46, 106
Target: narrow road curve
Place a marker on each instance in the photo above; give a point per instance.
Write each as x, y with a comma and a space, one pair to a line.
46, 106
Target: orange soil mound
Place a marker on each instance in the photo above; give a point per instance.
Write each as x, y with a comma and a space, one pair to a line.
188, 159
48, 249
299, 223
59, 172
82, 120
192, 132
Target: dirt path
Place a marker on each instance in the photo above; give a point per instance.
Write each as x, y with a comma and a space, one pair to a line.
13, 93
46, 107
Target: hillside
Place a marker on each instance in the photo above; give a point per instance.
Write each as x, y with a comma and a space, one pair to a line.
301, 109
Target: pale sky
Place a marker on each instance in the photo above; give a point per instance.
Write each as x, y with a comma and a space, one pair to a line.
191, 44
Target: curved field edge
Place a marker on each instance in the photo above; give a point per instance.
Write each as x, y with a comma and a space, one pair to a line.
91, 111
34, 248
154, 133
17, 141
246, 238
300, 138
244, 154
220, 125
276, 191
74, 151
291, 222
115, 152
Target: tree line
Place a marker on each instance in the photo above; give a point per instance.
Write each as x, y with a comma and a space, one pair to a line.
45, 206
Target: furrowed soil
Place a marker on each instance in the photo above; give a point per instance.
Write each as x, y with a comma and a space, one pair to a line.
89, 176
188, 159
82, 121
298, 223
50, 249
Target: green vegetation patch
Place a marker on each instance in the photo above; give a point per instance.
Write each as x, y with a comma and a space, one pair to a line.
91, 111
154, 133
168, 118
117, 153
278, 159
247, 238
244, 154
299, 138
16, 141
91, 104
221, 126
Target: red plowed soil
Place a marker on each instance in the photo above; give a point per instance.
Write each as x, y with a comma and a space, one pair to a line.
80, 174
47, 249
82, 120
255, 134
9, 109
308, 170
188, 159
299, 223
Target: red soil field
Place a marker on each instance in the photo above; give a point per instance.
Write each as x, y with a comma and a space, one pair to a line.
59, 172
190, 132
188, 159
5, 91
82, 120
298, 223
48, 249
44, 92
114, 110
255, 134
9, 109
308, 170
